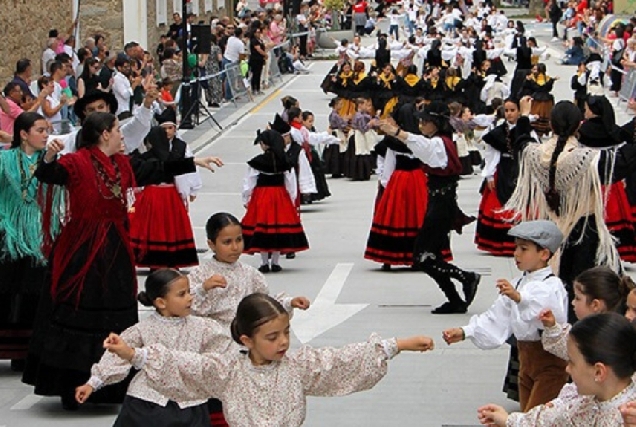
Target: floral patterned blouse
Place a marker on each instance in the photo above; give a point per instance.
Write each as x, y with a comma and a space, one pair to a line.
220, 303
272, 395
179, 333
555, 340
571, 410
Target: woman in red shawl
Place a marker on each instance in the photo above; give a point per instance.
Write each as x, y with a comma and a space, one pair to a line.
93, 286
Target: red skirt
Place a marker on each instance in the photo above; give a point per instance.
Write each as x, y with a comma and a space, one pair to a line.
398, 217
491, 234
272, 223
160, 229
620, 221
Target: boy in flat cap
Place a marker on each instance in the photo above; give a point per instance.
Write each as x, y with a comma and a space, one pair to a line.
516, 312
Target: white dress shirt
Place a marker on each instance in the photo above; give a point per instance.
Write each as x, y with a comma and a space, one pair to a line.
123, 92
539, 290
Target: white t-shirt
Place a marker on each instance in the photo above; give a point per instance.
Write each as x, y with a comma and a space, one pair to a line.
234, 48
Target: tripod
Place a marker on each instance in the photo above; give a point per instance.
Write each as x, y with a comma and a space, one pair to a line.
196, 106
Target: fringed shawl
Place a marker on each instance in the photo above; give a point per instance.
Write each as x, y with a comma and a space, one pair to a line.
21, 233
579, 186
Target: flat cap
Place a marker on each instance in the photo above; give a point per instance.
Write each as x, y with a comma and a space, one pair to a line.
542, 232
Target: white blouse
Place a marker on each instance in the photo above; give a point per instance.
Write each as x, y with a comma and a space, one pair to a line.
192, 334
539, 290
251, 179
272, 395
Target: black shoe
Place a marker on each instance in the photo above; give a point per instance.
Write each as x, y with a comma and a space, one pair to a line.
264, 268
290, 255
69, 403
470, 287
451, 308
17, 365
386, 267
215, 105
276, 268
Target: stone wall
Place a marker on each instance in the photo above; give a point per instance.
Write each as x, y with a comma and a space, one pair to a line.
26, 27
25, 30
103, 17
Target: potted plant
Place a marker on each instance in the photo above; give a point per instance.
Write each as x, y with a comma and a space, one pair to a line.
330, 40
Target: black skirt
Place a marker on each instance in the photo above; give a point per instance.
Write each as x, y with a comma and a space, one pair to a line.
333, 160
68, 336
139, 413
21, 284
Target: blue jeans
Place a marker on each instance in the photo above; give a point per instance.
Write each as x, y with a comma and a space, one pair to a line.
228, 90
394, 29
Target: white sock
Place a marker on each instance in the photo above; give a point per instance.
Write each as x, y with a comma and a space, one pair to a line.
264, 258
275, 256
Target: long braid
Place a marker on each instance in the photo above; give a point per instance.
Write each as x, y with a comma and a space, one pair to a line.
565, 120
552, 195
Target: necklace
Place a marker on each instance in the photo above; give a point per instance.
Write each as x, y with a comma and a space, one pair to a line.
25, 181
113, 185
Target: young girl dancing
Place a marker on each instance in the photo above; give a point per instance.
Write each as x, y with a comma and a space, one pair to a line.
269, 385
170, 325
500, 179
401, 209
361, 143
218, 285
602, 353
597, 290
333, 155
271, 223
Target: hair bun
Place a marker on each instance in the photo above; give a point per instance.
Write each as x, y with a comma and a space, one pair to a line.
236, 336
144, 299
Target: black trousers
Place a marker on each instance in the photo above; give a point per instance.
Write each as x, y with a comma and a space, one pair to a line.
433, 238
302, 40
257, 70
555, 32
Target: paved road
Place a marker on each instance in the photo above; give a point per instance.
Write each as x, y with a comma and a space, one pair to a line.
443, 387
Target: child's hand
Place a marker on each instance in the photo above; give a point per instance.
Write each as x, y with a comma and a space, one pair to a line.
547, 318
505, 288
82, 393
301, 303
116, 345
417, 343
216, 281
628, 411
453, 335
492, 415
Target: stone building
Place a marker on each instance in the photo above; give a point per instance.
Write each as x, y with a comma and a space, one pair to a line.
26, 24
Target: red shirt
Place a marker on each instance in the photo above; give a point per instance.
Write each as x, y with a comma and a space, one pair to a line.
360, 7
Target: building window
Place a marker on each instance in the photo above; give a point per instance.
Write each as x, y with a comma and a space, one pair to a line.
162, 11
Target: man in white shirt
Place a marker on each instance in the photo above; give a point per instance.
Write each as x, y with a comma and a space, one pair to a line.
48, 55
234, 52
122, 87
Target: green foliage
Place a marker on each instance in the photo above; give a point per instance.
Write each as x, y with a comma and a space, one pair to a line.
335, 5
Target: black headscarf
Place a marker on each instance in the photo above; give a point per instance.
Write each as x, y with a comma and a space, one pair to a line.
273, 160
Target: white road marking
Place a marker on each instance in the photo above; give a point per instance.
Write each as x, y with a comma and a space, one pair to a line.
324, 313
26, 403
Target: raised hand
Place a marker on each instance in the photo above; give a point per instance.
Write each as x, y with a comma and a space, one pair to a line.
301, 303
417, 343
216, 281
547, 318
